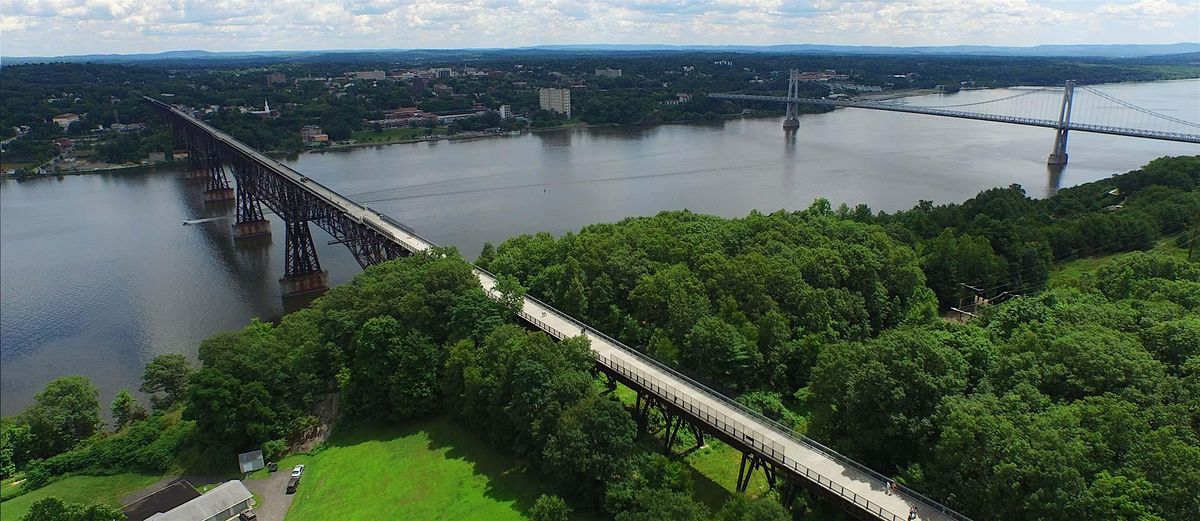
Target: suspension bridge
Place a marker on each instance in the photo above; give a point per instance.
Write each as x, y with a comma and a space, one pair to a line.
1081, 108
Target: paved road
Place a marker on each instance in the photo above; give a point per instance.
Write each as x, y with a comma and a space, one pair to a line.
274, 501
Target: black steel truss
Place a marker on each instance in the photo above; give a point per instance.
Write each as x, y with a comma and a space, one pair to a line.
675, 420
260, 185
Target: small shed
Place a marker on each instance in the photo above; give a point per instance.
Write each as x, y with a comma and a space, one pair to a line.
250, 461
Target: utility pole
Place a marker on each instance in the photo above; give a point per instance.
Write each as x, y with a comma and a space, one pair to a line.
968, 309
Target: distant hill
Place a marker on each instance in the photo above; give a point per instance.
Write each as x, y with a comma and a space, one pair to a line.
1092, 51
1107, 51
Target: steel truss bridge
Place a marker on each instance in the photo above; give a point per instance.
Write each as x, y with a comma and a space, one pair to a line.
1180, 130
788, 460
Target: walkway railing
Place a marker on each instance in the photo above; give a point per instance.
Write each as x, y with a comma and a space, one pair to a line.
731, 426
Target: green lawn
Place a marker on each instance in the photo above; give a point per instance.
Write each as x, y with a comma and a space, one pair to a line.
79, 489
1070, 273
431, 469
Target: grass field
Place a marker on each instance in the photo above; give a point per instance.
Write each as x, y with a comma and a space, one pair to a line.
1070, 273
79, 489
431, 469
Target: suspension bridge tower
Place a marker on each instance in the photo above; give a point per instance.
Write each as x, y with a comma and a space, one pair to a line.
1058, 155
791, 120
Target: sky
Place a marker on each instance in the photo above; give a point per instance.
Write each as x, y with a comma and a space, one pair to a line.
62, 27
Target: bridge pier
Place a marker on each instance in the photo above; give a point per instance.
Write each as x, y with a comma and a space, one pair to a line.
1058, 154
791, 119
250, 221
302, 273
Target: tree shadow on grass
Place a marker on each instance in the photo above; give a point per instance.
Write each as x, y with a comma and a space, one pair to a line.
509, 479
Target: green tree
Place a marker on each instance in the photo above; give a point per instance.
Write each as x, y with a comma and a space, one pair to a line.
65, 412
739, 508
657, 504
949, 260
126, 409
877, 399
55, 509
48, 509
16, 445
591, 440
512, 293
167, 374
549, 508
672, 297
720, 353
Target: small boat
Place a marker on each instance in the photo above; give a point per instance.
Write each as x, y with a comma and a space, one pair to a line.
186, 222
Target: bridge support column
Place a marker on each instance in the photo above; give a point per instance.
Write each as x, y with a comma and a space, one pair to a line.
1058, 154
746, 472
198, 160
675, 421
302, 272
250, 221
217, 189
791, 119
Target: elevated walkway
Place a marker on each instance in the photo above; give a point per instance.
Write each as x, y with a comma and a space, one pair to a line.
801, 457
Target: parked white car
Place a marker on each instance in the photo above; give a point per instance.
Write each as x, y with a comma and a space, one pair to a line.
297, 471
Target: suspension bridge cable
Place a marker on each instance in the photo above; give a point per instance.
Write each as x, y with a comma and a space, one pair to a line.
1128, 105
1014, 96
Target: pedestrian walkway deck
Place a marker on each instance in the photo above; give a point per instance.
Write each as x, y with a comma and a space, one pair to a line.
800, 456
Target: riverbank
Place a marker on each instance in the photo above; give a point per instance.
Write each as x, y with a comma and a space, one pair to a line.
112, 169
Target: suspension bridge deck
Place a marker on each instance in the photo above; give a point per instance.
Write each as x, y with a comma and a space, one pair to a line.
822, 467
979, 116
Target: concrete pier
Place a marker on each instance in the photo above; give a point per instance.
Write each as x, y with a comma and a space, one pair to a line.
791, 123
246, 230
305, 284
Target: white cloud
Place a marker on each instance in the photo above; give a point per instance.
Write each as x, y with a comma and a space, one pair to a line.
48, 27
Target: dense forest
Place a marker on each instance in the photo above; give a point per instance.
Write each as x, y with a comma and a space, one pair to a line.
835, 312
1075, 398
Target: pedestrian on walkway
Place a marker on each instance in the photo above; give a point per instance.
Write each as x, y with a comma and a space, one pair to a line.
912, 513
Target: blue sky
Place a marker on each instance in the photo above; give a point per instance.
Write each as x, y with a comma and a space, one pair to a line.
55, 27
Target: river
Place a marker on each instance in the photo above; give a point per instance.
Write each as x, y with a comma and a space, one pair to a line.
98, 275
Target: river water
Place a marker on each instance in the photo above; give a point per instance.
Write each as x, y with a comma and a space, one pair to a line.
98, 275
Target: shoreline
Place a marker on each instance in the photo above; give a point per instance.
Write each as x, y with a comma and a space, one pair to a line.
118, 169
907, 93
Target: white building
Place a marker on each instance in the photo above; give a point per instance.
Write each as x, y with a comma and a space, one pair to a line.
555, 100
608, 73
505, 112
367, 75
224, 502
65, 120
